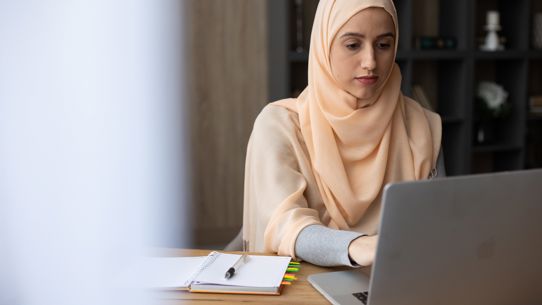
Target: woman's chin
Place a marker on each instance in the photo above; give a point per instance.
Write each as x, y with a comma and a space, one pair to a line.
364, 95
364, 100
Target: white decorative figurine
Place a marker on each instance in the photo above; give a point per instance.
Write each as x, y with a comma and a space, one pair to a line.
492, 41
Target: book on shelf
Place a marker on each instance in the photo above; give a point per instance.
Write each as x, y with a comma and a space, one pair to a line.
435, 42
260, 274
535, 103
419, 95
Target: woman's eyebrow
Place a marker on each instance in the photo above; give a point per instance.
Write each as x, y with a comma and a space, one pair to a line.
355, 34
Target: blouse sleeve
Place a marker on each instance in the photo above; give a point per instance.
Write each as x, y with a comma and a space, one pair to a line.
275, 209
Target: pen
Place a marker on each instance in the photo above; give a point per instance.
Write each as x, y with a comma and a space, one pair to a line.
236, 266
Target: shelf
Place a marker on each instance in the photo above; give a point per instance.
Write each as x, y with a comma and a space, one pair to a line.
535, 54
495, 148
507, 54
431, 54
534, 117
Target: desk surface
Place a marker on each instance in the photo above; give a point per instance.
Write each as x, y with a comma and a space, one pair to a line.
300, 292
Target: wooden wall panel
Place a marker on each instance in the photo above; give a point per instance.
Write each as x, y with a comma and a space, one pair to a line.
227, 51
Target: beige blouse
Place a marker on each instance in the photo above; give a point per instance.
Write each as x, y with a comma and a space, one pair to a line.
277, 156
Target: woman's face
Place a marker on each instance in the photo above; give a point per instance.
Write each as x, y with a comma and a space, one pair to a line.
362, 53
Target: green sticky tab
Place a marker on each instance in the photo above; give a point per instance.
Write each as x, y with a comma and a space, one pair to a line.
288, 279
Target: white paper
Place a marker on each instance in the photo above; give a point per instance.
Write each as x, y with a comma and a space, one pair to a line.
170, 272
258, 271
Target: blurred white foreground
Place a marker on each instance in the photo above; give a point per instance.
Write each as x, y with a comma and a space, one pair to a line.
91, 133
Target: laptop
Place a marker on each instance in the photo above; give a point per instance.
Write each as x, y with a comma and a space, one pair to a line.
460, 240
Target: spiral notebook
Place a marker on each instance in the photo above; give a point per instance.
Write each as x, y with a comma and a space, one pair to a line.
259, 275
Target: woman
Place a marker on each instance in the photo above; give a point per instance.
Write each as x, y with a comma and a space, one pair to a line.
316, 165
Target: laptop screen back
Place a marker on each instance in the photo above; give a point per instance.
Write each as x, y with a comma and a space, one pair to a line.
463, 240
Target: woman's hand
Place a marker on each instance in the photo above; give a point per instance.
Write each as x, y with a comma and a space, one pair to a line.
363, 249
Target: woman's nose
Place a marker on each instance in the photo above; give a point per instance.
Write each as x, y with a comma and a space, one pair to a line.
368, 60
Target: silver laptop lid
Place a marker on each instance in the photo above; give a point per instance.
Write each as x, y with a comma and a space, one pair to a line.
470, 240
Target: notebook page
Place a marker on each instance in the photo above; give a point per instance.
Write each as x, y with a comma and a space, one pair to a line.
170, 272
258, 271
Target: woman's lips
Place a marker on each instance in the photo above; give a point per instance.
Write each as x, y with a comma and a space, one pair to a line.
367, 80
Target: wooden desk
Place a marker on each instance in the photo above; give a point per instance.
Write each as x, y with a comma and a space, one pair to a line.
300, 292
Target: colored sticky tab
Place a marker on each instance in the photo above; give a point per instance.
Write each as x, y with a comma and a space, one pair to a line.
294, 263
288, 279
286, 283
292, 269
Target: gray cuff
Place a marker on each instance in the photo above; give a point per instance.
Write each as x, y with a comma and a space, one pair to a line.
323, 246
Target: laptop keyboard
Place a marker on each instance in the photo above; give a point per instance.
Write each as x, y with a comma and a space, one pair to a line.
362, 296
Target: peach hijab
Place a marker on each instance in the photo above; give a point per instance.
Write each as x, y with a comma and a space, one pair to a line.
356, 152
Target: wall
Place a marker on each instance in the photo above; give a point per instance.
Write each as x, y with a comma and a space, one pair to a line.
228, 87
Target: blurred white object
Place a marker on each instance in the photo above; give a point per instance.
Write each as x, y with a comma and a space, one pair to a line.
493, 95
492, 40
90, 145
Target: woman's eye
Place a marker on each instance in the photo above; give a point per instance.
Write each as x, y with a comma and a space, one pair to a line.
383, 45
352, 46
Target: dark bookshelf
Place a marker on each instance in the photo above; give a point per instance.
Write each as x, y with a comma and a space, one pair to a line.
449, 77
